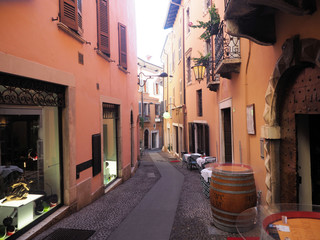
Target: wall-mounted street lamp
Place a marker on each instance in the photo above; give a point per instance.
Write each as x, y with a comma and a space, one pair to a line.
142, 80
167, 115
199, 72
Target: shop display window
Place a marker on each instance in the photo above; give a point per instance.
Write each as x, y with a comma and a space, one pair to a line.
109, 150
110, 135
30, 181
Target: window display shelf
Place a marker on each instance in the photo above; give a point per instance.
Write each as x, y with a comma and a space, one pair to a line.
25, 209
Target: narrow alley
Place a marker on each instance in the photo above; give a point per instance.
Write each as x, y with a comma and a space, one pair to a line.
107, 217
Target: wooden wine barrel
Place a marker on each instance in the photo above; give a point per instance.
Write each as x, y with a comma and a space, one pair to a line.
232, 191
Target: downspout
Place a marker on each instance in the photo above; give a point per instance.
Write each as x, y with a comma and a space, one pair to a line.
166, 106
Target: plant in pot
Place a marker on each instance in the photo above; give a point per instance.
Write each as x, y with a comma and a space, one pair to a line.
201, 66
212, 26
202, 60
141, 122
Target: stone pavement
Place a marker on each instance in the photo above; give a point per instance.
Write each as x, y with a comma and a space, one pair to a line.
154, 216
163, 200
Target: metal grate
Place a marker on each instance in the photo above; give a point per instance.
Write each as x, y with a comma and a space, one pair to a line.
25, 91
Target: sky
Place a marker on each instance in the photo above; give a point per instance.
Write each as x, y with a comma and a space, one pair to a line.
150, 20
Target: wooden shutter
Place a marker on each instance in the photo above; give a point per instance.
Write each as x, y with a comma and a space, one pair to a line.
191, 138
139, 108
96, 154
69, 13
122, 45
206, 140
103, 26
79, 11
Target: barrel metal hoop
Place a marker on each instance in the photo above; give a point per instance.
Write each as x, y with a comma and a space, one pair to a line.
233, 192
233, 184
224, 212
242, 224
218, 224
233, 214
233, 179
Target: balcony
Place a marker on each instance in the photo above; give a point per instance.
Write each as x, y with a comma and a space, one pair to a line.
255, 19
146, 119
227, 53
214, 84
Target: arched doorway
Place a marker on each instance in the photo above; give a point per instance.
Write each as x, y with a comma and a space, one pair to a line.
146, 139
299, 145
291, 110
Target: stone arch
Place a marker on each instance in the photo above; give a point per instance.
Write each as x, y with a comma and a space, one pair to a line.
297, 54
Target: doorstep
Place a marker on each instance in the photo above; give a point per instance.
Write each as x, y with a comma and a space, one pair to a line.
40, 227
113, 185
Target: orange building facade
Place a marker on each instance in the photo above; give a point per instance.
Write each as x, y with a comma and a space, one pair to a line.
151, 96
263, 105
66, 70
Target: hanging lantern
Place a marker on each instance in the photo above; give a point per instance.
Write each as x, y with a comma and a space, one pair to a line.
166, 115
199, 71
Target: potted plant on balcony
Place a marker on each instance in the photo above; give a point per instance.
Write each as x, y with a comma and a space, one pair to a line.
201, 66
202, 60
212, 26
141, 122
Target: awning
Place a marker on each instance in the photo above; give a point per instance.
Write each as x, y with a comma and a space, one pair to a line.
172, 13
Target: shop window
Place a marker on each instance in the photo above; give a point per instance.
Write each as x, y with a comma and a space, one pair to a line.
29, 161
110, 145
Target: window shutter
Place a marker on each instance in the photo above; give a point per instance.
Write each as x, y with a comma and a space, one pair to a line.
122, 45
206, 140
69, 13
191, 138
96, 154
139, 108
79, 7
103, 26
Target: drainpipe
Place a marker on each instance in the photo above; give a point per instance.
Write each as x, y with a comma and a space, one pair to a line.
166, 108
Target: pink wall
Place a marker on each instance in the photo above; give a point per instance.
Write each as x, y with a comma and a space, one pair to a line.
27, 32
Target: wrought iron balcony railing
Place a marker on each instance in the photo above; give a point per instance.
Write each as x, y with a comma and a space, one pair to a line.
226, 4
227, 53
146, 118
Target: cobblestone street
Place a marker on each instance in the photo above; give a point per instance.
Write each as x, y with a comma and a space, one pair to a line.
192, 218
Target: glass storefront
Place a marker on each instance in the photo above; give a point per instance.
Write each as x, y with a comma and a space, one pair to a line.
110, 156
30, 181
31, 184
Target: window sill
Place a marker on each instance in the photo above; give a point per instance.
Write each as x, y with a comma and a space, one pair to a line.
123, 69
104, 56
67, 30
